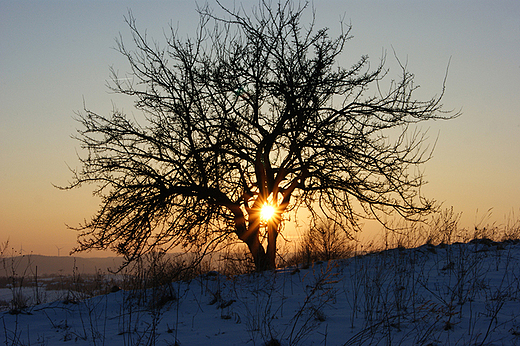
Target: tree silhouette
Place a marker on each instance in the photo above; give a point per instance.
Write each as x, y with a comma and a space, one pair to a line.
253, 110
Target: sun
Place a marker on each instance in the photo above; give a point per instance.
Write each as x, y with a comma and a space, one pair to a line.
267, 212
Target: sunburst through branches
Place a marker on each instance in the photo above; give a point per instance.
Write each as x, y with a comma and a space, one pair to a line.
267, 212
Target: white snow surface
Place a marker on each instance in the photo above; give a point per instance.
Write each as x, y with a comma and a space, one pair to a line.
462, 294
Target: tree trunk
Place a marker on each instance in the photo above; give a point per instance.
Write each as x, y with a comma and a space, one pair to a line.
258, 253
272, 234
264, 260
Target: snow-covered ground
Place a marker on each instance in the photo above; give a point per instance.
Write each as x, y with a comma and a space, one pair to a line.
463, 294
32, 295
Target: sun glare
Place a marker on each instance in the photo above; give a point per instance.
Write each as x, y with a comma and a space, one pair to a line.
267, 212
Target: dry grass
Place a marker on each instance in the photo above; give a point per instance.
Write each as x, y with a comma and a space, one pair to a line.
321, 243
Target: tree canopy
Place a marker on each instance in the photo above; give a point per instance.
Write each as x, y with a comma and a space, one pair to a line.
255, 109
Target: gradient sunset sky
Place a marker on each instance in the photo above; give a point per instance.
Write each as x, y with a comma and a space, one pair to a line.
55, 56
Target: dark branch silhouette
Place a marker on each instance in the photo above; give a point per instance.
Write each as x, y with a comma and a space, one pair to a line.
254, 109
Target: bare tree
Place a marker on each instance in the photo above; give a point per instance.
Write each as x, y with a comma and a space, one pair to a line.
253, 111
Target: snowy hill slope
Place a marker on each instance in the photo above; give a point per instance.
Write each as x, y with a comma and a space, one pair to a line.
462, 294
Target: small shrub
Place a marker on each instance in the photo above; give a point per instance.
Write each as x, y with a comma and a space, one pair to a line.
324, 241
273, 342
18, 303
319, 315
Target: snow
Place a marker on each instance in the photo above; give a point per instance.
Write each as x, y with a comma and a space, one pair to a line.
462, 294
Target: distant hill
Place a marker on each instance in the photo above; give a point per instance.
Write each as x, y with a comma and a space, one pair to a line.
58, 265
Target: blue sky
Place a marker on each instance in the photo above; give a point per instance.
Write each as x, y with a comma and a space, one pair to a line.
55, 55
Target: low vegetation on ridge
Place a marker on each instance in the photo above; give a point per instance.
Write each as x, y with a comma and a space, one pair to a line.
439, 293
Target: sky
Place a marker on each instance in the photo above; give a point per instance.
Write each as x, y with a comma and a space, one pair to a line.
55, 58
